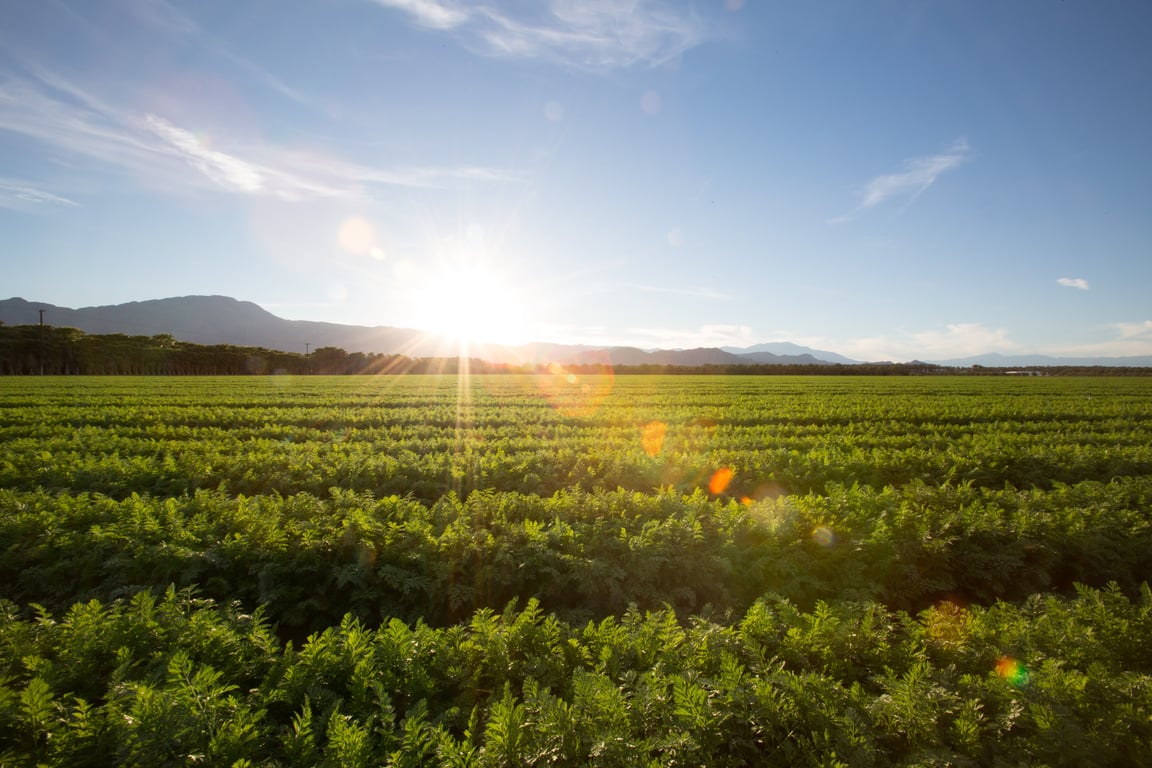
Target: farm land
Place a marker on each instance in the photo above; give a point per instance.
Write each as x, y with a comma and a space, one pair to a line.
570, 569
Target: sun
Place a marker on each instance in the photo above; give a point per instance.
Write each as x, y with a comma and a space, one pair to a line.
472, 305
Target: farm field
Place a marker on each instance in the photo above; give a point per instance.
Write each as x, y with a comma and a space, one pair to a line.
571, 569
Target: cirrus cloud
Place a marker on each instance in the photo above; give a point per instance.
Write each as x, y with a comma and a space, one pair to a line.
918, 175
594, 35
18, 194
69, 117
1074, 282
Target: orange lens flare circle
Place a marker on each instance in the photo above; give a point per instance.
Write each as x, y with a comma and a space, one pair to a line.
720, 480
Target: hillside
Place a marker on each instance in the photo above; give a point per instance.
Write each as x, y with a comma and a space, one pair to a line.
225, 320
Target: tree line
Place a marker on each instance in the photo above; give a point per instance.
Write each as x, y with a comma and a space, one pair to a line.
55, 351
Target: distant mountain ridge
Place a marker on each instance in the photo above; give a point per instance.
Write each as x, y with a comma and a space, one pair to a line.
225, 320
997, 360
222, 320
788, 349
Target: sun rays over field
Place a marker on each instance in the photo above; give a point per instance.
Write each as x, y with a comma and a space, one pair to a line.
471, 305
583, 382
459, 287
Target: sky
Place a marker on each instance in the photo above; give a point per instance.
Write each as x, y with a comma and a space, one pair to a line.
884, 179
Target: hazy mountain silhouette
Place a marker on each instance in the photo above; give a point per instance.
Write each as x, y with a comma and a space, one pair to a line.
224, 320
692, 357
997, 360
777, 349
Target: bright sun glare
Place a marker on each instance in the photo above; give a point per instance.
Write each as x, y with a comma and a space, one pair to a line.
472, 305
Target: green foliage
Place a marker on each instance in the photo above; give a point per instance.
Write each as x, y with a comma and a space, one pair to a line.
783, 687
402, 572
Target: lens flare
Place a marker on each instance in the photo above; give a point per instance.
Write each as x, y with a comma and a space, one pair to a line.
652, 437
357, 235
578, 392
823, 536
720, 480
1013, 671
768, 490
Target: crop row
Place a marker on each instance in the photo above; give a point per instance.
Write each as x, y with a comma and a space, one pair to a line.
427, 468
176, 679
575, 570
310, 560
426, 436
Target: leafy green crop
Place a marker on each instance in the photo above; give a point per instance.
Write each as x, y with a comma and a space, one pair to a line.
572, 570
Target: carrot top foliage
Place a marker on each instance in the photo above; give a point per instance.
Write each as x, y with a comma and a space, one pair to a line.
575, 570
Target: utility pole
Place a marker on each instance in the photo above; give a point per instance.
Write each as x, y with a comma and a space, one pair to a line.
307, 357
42, 341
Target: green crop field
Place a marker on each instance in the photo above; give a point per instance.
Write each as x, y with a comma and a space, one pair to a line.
575, 570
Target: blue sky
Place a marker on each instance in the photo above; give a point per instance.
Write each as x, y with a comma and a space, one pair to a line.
884, 179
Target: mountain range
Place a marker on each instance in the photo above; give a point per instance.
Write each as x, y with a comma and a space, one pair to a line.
225, 320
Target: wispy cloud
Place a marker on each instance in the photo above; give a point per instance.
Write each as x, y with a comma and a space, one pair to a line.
431, 13
161, 16
918, 175
652, 337
954, 340
1134, 331
598, 35
67, 117
224, 169
1074, 282
718, 335
21, 195
1121, 340
961, 340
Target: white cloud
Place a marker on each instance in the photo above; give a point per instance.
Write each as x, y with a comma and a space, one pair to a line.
22, 195
1074, 282
598, 35
1122, 340
64, 115
704, 336
963, 339
430, 13
918, 175
224, 169
675, 338
954, 340
960, 340
1134, 331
